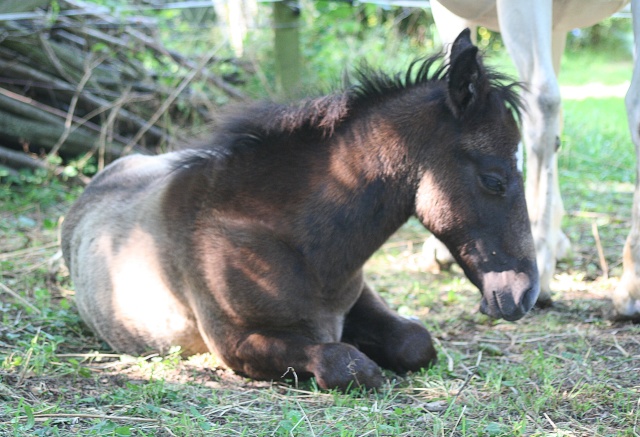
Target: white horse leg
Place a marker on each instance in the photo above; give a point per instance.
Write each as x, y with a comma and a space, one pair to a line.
526, 31
563, 245
626, 297
449, 25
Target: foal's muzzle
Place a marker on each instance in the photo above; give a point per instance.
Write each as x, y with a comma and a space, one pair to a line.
509, 294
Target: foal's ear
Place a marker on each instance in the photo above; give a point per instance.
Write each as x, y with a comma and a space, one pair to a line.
464, 73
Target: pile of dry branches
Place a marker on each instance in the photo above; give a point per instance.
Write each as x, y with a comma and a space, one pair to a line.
74, 83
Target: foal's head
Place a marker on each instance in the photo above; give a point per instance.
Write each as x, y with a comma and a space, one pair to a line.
471, 193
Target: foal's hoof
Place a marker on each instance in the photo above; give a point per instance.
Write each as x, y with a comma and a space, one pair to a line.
412, 349
344, 367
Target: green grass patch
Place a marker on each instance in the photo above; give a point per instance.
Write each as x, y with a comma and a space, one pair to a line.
565, 371
577, 68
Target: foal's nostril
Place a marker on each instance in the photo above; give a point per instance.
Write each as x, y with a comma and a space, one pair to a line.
523, 305
531, 296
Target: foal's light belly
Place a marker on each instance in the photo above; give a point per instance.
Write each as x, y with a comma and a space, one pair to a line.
124, 296
122, 290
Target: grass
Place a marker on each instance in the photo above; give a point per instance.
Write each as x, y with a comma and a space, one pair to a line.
565, 371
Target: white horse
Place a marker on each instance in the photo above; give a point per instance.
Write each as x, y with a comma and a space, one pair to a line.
534, 33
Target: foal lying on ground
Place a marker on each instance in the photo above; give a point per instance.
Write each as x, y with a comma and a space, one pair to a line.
252, 247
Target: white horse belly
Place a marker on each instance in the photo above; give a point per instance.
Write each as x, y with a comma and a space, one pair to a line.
567, 14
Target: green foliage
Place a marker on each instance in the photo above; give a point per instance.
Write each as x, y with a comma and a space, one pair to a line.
21, 189
614, 35
336, 38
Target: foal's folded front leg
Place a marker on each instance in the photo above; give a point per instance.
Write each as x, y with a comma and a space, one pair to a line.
392, 341
270, 355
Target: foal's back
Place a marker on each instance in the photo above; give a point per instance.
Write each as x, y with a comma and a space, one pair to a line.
115, 245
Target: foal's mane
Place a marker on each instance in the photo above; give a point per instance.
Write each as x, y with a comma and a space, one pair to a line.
376, 85
264, 123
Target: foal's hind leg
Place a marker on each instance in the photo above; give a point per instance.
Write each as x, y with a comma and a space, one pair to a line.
392, 341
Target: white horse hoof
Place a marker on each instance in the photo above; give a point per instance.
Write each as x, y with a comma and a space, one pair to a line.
435, 256
624, 305
544, 300
563, 248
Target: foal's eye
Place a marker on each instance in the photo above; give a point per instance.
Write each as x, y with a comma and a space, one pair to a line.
493, 184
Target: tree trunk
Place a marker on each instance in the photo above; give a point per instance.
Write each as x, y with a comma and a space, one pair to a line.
286, 21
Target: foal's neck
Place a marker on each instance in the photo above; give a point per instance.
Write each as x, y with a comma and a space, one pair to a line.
367, 194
